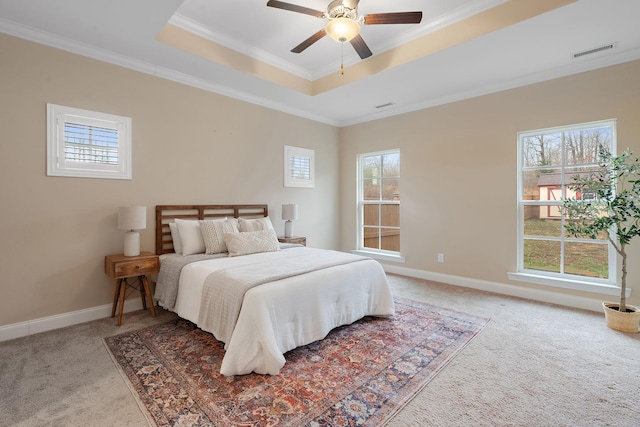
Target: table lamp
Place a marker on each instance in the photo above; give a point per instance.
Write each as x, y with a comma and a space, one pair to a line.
289, 214
132, 219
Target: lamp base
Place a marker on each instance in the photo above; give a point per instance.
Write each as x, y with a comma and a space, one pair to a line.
288, 229
131, 243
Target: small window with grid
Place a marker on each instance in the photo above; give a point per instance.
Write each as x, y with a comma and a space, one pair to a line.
87, 144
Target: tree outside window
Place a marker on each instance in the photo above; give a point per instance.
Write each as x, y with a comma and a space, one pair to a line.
549, 162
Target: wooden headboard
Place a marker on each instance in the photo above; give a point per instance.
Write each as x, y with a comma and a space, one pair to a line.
167, 213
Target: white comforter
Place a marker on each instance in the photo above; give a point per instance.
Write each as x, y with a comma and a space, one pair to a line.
279, 316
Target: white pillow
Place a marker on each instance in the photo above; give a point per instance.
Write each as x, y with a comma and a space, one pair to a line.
251, 242
175, 237
213, 233
190, 236
256, 224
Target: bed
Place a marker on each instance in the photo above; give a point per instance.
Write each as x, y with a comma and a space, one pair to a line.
259, 302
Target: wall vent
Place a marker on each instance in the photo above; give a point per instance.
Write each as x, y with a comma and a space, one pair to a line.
594, 50
388, 104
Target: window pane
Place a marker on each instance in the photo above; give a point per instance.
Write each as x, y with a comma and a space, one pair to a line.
391, 165
530, 213
371, 239
542, 255
90, 144
574, 175
542, 227
391, 215
542, 150
391, 189
553, 212
371, 214
300, 167
371, 189
582, 145
371, 167
549, 185
390, 240
586, 259
603, 235
530, 182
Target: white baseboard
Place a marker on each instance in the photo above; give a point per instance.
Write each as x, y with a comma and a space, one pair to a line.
593, 304
49, 323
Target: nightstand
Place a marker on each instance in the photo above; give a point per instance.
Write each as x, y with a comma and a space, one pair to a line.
295, 239
121, 268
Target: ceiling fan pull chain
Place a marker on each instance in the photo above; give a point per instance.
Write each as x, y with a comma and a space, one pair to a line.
342, 59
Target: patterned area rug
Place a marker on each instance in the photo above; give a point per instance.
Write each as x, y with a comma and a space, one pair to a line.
360, 374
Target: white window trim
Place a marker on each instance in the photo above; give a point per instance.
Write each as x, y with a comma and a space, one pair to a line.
557, 280
381, 255
292, 152
370, 252
576, 285
58, 115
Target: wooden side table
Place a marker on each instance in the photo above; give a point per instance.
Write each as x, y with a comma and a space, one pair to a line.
295, 239
120, 268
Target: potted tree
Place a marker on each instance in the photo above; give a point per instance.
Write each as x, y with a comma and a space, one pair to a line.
613, 209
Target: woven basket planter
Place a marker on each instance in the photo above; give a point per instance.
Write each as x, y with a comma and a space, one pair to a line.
623, 322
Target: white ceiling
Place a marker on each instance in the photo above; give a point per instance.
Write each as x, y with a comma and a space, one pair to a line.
124, 32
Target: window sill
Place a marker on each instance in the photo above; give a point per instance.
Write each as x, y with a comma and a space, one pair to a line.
379, 256
596, 288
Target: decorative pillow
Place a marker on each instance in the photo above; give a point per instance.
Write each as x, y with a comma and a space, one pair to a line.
256, 224
175, 237
251, 242
213, 234
190, 236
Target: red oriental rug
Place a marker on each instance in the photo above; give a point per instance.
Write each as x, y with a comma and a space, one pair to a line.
360, 374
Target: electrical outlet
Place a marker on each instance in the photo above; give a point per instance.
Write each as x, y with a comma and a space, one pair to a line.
441, 257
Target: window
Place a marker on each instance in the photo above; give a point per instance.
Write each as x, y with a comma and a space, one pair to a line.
82, 143
548, 161
379, 202
298, 167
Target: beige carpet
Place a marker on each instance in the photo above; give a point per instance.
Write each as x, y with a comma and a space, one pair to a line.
533, 365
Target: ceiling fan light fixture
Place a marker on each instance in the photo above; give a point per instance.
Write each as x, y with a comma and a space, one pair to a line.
342, 29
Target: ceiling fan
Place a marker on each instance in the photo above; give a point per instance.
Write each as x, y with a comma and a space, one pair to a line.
344, 23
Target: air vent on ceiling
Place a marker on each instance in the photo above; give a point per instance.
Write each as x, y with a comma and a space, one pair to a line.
594, 50
388, 104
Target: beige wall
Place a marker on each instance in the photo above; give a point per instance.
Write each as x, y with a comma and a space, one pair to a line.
189, 146
192, 146
459, 169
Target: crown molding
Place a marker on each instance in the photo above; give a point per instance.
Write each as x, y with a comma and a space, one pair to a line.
57, 42
602, 60
579, 66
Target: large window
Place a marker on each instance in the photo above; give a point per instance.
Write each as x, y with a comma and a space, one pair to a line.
549, 160
379, 202
87, 144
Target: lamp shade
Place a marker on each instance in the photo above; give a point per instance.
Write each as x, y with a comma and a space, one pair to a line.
342, 29
132, 217
290, 212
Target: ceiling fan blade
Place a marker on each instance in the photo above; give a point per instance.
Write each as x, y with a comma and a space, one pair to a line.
308, 42
393, 18
361, 47
295, 8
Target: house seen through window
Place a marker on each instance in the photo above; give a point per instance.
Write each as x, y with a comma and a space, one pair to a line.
379, 202
549, 160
